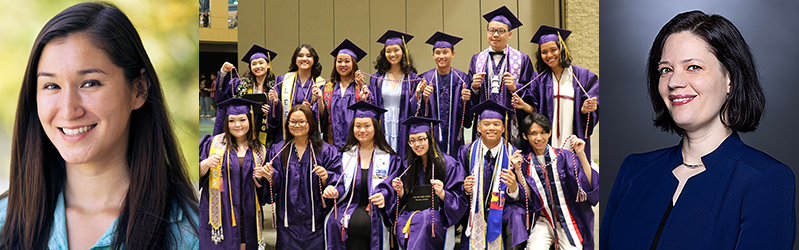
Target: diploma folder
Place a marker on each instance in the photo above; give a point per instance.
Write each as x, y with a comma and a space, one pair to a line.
419, 199
261, 98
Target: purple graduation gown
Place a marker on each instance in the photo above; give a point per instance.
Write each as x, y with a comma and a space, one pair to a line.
526, 73
379, 216
299, 234
539, 94
446, 105
449, 214
225, 89
407, 108
581, 212
243, 191
301, 92
339, 117
513, 213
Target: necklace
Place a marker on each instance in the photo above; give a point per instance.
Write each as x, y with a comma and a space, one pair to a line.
693, 166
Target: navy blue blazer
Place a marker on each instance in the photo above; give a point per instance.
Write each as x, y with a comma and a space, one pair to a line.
744, 200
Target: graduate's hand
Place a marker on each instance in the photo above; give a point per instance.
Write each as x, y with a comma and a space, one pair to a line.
268, 171
306, 103
468, 183
378, 200
359, 78
438, 188
466, 94
510, 81
518, 103
257, 174
265, 108
273, 96
589, 105
397, 184
516, 159
477, 79
330, 193
317, 92
579, 146
427, 90
227, 67
321, 172
509, 178
209, 162
364, 92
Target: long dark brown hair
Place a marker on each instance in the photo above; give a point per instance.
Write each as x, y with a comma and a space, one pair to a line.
382, 65
313, 132
159, 182
335, 75
434, 158
252, 142
379, 138
316, 68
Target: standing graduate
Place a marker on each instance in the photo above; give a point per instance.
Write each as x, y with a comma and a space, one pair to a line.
394, 85
358, 220
230, 206
258, 80
302, 166
560, 92
444, 96
497, 202
431, 174
345, 88
294, 87
566, 218
499, 70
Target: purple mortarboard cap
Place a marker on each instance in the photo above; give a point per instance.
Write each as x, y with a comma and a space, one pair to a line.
256, 52
349, 48
503, 15
548, 33
366, 110
489, 109
419, 124
443, 40
393, 37
238, 106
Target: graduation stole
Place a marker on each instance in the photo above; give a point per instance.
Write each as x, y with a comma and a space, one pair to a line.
514, 58
540, 174
480, 231
379, 171
287, 92
219, 146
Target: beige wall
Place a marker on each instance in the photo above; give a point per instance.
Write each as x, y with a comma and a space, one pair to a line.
324, 24
218, 31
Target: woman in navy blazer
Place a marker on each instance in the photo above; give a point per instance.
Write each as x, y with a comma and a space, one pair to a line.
711, 191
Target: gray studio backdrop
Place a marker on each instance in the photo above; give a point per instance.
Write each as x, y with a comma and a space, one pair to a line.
627, 29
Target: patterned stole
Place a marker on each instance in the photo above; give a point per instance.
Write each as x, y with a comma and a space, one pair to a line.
482, 232
218, 146
287, 94
549, 185
514, 58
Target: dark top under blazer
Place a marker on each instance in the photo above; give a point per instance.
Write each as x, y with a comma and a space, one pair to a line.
744, 200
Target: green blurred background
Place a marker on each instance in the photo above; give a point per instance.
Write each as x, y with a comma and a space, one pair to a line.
169, 32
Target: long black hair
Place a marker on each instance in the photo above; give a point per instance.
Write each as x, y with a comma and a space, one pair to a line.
314, 137
565, 60
745, 103
382, 65
434, 158
159, 181
379, 138
316, 68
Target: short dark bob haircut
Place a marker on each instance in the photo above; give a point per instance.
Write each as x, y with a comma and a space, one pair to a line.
528, 121
745, 103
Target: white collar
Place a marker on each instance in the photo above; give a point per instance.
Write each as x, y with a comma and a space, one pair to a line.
503, 50
494, 151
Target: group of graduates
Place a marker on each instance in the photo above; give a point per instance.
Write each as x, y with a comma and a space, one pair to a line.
351, 164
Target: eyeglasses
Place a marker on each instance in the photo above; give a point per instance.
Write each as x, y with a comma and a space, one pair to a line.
419, 141
298, 123
498, 31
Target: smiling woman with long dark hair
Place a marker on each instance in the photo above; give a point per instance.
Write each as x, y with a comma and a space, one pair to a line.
94, 160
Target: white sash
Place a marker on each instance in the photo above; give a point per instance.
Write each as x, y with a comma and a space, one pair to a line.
286, 92
571, 226
380, 168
